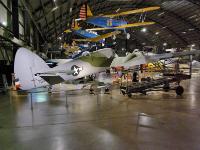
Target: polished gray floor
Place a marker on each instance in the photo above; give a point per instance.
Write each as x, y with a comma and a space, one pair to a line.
158, 121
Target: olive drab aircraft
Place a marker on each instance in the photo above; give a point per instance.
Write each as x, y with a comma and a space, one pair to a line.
33, 72
106, 22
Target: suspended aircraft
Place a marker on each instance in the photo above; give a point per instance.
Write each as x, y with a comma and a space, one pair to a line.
89, 36
106, 22
69, 49
32, 71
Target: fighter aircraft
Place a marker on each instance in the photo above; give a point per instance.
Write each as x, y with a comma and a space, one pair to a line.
106, 22
89, 36
137, 58
33, 72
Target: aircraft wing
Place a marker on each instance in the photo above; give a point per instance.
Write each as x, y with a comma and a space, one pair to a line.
68, 31
158, 57
134, 60
142, 10
138, 24
134, 25
98, 38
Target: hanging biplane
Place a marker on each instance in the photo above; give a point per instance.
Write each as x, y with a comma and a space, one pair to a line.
106, 22
89, 36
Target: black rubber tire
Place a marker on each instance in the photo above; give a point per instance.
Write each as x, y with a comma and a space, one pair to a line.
129, 95
107, 90
179, 90
123, 93
166, 87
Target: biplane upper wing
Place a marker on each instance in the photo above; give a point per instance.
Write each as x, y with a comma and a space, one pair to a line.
142, 10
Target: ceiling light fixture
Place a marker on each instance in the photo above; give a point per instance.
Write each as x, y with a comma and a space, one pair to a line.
70, 10
55, 8
4, 23
161, 14
191, 29
164, 44
118, 10
144, 30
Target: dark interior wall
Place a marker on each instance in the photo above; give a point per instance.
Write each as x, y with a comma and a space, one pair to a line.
124, 45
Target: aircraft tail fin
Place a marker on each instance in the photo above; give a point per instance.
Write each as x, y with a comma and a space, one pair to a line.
89, 12
26, 67
85, 12
75, 24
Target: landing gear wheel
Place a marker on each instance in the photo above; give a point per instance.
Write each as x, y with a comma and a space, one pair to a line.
166, 87
123, 92
107, 90
144, 92
129, 95
179, 90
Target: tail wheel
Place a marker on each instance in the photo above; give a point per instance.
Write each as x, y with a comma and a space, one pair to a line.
123, 92
107, 90
129, 95
179, 90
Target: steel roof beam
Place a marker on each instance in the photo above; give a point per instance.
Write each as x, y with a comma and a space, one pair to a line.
32, 18
40, 7
52, 10
43, 9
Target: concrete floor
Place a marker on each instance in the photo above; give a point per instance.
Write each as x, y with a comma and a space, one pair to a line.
153, 122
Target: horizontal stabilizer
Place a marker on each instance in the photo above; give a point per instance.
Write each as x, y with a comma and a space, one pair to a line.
68, 31
52, 79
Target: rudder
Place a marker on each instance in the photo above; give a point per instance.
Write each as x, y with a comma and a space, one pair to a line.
26, 65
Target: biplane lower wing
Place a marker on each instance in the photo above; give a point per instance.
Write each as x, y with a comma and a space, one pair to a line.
123, 26
99, 38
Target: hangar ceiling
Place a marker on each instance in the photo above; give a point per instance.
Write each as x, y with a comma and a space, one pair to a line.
177, 22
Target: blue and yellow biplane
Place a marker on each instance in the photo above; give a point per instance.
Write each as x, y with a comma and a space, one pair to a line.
89, 36
106, 22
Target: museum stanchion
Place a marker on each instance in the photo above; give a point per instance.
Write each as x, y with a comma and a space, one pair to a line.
138, 121
110, 92
98, 99
66, 102
31, 95
10, 98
